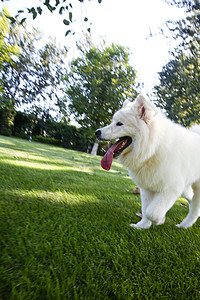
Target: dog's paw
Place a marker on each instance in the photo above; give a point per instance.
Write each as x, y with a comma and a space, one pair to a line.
183, 225
178, 225
143, 224
160, 222
134, 226
187, 222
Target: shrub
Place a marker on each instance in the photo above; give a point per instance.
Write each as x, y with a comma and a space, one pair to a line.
46, 140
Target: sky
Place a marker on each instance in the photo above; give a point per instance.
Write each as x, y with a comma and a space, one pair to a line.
130, 23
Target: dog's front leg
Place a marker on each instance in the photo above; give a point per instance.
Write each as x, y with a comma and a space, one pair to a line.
155, 207
159, 205
146, 198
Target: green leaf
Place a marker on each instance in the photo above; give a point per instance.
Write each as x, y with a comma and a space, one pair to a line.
12, 20
22, 21
99, 1
57, 2
66, 22
89, 30
33, 12
85, 19
34, 15
47, 2
67, 32
20, 11
51, 8
39, 9
70, 16
61, 10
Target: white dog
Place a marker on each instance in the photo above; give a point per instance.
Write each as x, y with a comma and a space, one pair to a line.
163, 159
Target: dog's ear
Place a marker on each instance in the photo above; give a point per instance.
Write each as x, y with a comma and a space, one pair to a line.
144, 109
126, 103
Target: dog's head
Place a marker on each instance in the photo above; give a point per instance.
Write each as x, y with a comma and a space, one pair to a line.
128, 124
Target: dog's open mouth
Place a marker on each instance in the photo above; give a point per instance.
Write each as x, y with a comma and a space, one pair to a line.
114, 151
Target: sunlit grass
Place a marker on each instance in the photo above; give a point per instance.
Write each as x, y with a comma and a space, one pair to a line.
65, 232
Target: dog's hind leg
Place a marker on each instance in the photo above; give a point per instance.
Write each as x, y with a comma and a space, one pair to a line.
194, 208
188, 193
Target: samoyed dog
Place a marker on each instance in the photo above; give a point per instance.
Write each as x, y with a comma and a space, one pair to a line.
163, 159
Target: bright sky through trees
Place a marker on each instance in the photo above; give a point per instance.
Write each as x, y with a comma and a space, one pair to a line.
130, 23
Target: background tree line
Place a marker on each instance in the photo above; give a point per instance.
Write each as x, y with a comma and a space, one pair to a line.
47, 130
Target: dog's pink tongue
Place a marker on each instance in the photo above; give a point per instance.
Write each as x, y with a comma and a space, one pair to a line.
106, 161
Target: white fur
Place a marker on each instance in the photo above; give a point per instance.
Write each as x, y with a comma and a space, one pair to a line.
163, 160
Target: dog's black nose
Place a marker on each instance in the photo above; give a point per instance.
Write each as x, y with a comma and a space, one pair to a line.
98, 133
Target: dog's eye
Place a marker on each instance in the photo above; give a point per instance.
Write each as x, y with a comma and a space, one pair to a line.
119, 124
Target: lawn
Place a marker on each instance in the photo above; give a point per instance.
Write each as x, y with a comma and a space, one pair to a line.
64, 225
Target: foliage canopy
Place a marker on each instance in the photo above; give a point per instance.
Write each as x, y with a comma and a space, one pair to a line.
33, 76
98, 83
6, 49
179, 90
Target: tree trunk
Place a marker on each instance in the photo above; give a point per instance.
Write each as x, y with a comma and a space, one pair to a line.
95, 147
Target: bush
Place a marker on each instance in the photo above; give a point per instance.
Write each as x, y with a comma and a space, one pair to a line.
22, 135
7, 114
5, 131
22, 123
46, 140
56, 133
68, 135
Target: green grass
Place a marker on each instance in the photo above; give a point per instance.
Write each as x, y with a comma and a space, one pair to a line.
64, 225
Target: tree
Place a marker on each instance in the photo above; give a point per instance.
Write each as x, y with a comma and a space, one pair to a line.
7, 51
52, 5
34, 77
179, 90
98, 83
